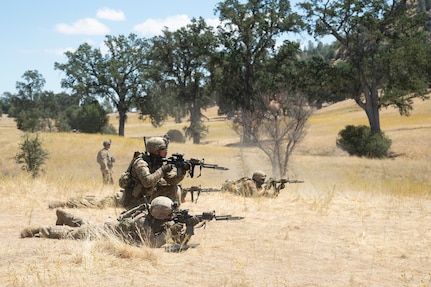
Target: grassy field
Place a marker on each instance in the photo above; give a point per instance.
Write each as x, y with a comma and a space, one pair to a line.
354, 222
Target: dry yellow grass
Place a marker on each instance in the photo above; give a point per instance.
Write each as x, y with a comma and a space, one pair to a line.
354, 222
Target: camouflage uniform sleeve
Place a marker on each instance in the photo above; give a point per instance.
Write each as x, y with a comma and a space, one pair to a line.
249, 188
172, 178
146, 178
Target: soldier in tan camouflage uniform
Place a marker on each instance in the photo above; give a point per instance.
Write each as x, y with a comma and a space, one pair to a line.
106, 162
151, 225
254, 186
152, 177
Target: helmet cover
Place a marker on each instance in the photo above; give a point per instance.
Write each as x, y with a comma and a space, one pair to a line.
161, 207
259, 176
155, 144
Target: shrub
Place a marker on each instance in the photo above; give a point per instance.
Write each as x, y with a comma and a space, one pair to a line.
32, 155
362, 141
108, 129
176, 136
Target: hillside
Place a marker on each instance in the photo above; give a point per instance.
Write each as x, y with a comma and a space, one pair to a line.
354, 222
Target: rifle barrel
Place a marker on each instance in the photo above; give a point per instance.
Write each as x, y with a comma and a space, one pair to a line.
214, 166
228, 217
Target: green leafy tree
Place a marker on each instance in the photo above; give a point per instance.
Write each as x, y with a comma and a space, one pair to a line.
32, 107
118, 75
181, 66
157, 102
91, 118
6, 102
248, 36
26, 103
29, 120
385, 51
32, 154
319, 79
88, 118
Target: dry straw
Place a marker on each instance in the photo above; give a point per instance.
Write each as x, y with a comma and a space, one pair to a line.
354, 222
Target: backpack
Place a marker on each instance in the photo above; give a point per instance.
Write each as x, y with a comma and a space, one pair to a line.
99, 157
126, 177
234, 186
127, 181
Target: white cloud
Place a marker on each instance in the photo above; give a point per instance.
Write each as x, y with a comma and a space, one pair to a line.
87, 26
213, 22
59, 52
153, 27
110, 14
103, 48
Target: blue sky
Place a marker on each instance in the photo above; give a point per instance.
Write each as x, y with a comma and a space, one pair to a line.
36, 33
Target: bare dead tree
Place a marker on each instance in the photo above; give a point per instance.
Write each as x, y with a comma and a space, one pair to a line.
280, 127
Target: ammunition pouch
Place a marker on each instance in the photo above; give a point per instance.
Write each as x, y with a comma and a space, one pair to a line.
124, 180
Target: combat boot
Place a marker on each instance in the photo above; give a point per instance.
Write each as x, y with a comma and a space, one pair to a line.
31, 231
66, 218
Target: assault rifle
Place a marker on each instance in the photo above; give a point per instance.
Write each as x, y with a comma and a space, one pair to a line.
183, 216
273, 181
198, 189
279, 184
184, 166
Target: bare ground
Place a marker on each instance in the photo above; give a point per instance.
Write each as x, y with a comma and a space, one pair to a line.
303, 238
339, 228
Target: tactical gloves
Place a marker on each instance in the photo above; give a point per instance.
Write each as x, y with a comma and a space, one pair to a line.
192, 221
176, 228
167, 168
187, 166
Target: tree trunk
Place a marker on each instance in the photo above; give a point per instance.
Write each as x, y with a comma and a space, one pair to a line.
371, 108
247, 123
195, 117
122, 121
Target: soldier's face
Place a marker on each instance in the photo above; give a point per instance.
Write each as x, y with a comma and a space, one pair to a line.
163, 152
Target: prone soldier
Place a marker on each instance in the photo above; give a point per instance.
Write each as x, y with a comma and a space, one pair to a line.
155, 225
257, 185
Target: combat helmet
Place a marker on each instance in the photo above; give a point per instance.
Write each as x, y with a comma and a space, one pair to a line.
106, 143
161, 207
259, 176
155, 144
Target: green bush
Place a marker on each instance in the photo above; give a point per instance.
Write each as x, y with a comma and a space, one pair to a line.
362, 141
176, 136
108, 129
32, 155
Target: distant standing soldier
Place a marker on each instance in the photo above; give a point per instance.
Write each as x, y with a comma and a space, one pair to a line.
106, 161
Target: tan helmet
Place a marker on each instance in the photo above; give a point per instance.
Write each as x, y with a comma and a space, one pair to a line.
106, 143
161, 207
155, 144
259, 176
